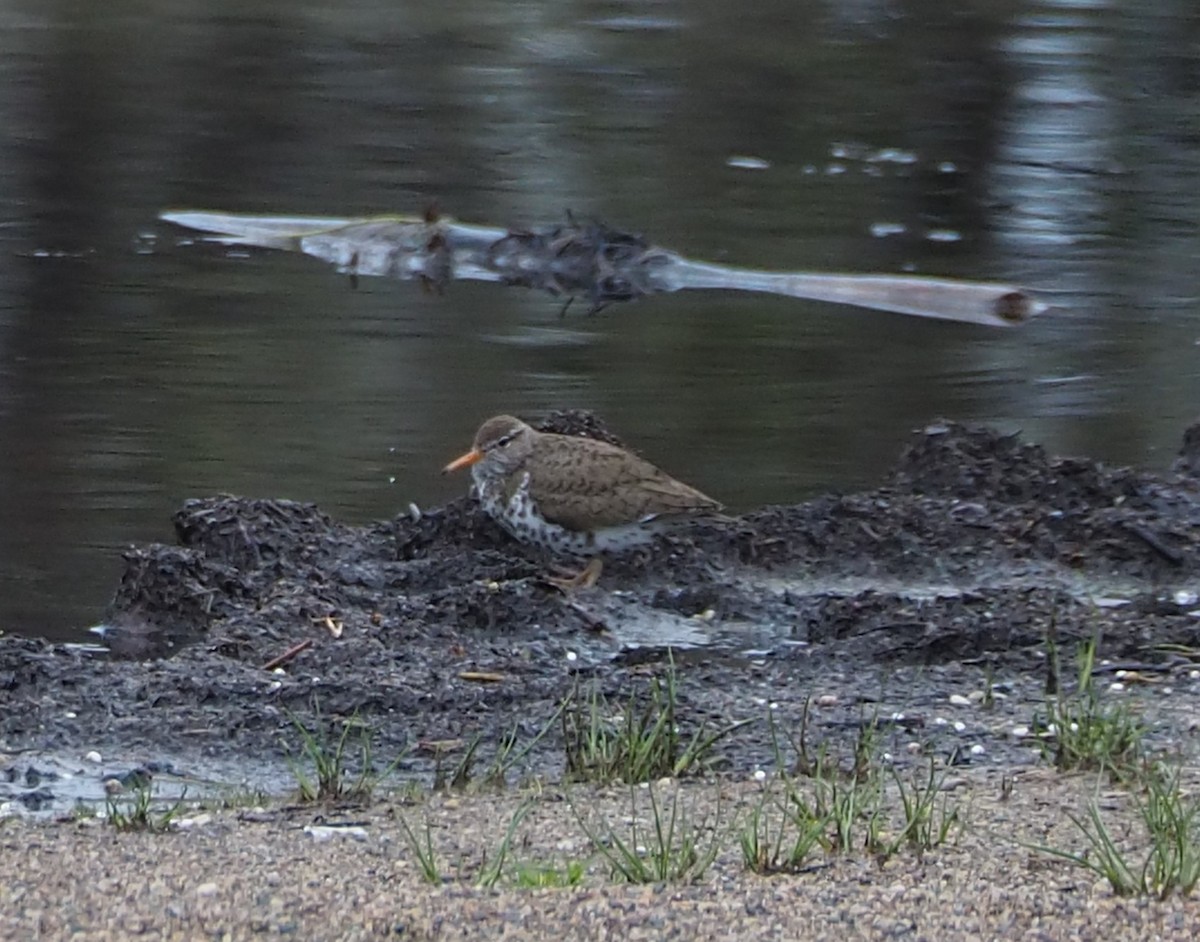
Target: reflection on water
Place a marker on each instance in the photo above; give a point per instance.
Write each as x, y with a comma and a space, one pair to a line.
1051, 144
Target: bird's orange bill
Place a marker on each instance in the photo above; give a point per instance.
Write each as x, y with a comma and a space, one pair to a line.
465, 461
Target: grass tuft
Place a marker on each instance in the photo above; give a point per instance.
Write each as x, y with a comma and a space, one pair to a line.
781, 831
1081, 732
842, 807
929, 814
640, 742
137, 812
668, 849
529, 876
328, 757
493, 869
422, 851
1171, 830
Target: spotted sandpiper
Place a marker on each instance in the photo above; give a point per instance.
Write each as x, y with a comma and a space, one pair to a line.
574, 496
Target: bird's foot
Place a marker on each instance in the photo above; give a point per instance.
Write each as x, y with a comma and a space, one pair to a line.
585, 578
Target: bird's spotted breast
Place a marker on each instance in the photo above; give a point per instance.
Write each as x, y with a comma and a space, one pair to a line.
509, 502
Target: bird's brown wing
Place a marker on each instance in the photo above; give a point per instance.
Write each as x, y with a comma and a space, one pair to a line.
605, 486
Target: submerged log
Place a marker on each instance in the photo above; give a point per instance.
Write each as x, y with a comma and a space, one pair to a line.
588, 260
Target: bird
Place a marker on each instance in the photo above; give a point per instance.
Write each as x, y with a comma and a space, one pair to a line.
573, 496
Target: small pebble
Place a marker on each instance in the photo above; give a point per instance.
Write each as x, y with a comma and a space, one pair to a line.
207, 889
827, 700
1020, 732
759, 775
940, 721
321, 833
1116, 687
913, 748
70, 714
960, 726
976, 696
977, 750
93, 757
197, 821
957, 699
1186, 598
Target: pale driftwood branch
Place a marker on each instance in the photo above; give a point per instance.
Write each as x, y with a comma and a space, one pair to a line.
589, 260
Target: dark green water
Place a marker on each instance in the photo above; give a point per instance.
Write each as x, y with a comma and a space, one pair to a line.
1051, 144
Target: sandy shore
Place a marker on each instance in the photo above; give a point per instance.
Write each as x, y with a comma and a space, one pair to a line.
317, 874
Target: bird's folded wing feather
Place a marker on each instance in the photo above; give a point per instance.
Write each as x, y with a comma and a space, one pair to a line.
613, 488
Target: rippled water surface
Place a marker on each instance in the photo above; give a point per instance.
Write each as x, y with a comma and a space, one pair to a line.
1052, 144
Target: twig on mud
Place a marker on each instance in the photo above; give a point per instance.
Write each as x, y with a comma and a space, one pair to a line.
1187, 654
334, 626
590, 622
482, 677
288, 654
1144, 667
1169, 553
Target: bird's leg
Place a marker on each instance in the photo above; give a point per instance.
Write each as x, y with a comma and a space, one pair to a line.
585, 578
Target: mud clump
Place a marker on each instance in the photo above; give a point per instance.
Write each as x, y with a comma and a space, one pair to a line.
436, 626
1188, 461
950, 460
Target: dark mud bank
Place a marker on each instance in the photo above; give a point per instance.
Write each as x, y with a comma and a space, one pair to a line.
436, 626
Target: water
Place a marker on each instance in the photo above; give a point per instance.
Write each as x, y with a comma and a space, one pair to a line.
1047, 143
